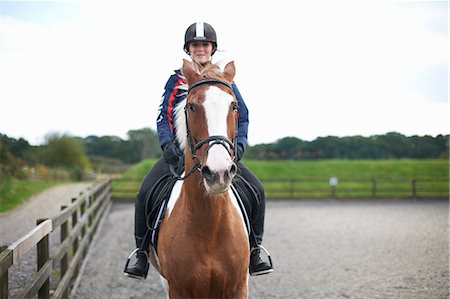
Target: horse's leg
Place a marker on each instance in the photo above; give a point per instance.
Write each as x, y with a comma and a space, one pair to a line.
175, 293
240, 292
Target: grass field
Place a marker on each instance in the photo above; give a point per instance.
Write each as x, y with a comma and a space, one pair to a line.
292, 179
305, 179
13, 191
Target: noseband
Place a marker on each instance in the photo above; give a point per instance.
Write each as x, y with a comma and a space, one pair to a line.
229, 145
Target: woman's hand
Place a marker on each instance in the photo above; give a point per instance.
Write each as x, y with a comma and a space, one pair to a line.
172, 154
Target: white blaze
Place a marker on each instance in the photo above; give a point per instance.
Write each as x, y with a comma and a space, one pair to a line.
217, 105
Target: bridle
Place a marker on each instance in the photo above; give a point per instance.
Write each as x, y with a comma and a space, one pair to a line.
229, 145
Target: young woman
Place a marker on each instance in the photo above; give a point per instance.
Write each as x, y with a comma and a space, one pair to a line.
200, 43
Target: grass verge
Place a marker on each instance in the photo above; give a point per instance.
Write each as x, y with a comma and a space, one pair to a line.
13, 191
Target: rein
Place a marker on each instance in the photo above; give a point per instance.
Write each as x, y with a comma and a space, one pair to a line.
229, 145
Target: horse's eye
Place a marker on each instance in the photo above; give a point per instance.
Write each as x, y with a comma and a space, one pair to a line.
191, 107
235, 107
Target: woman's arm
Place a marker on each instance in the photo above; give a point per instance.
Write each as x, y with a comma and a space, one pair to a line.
243, 118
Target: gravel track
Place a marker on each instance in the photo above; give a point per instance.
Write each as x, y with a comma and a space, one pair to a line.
22, 219
321, 249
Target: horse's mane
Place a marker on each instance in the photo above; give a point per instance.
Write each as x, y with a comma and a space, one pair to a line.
180, 124
211, 71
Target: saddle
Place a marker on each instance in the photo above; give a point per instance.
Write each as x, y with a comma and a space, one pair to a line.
157, 199
248, 195
156, 205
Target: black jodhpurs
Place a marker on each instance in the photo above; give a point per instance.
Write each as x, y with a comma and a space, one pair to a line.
160, 169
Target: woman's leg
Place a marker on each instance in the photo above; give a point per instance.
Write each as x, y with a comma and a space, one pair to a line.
140, 268
258, 222
160, 169
257, 265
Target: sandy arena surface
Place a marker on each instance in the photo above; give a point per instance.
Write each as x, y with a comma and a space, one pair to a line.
321, 249
388, 248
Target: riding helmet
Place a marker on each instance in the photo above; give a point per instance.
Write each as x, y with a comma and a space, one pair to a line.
200, 31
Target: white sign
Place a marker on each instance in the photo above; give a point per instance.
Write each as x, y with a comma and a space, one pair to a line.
333, 181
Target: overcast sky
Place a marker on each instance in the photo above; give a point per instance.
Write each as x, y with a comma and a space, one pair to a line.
305, 69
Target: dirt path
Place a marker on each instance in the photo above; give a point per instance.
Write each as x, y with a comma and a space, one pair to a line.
16, 223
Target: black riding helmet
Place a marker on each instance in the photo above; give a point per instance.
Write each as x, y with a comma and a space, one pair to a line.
200, 31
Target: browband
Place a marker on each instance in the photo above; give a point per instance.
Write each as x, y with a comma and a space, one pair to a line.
209, 80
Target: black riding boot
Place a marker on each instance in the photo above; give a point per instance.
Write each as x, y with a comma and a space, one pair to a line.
257, 265
143, 199
139, 269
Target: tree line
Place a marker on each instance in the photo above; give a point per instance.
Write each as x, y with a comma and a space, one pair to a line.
101, 153
388, 146
78, 154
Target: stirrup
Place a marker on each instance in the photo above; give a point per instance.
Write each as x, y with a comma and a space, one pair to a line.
128, 262
268, 256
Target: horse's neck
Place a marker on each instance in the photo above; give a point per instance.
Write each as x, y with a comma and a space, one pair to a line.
203, 207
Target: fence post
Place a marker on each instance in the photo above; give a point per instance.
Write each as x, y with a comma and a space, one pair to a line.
75, 240
333, 181
414, 188
90, 202
65, 259
374, 188
4, 288
82, 211
43, 255
292, 188
74, 223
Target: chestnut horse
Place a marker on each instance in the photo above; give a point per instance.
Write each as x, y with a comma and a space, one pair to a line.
203, 246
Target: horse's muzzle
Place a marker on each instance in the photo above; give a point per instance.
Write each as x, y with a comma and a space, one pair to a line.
218, 181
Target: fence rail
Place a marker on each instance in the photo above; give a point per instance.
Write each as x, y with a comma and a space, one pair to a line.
77, 224
326, 188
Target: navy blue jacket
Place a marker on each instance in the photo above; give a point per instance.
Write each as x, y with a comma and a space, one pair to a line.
173, 96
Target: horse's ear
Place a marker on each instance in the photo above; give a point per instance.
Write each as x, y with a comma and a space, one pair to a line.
229, 71
189, 72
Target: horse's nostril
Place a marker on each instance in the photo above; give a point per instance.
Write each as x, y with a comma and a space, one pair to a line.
233, 170
230, 173
207, 173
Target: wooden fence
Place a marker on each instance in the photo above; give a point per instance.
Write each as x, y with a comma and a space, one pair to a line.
76, 224
364, 188
328, 188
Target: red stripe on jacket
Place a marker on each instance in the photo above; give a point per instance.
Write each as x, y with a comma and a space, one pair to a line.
170, 103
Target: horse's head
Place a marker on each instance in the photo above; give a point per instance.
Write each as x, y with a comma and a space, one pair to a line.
210, 117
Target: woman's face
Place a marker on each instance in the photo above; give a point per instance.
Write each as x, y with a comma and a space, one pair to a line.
201, 51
